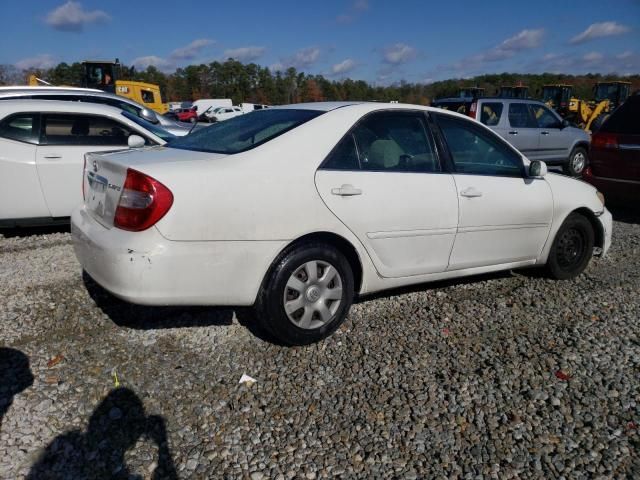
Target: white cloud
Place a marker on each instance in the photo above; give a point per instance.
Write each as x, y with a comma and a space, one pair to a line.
593, 57
524, 40
152, 60
71, 17
624, 55
343, 67
245, 54
42, 61
300, 60
599, 30
192, 50
398, 54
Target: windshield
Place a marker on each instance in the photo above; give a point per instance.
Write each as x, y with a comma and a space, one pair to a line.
155, 129
244, 132
607, 92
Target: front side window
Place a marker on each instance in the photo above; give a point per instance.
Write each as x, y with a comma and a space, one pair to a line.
76, 129
244, 132
147, 96
520, 116
544, 117
22, 127
476, 151
490, 113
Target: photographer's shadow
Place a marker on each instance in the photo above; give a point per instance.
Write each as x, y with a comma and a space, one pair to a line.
15, 376
115, 426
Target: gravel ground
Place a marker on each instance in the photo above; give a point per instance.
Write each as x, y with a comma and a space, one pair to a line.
505, 376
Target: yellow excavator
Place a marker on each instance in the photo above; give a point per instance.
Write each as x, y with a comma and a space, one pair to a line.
105, 75
591, 114
514, 91
471, 92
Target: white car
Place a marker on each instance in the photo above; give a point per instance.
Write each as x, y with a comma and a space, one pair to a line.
295, 209
224, 113
42, 148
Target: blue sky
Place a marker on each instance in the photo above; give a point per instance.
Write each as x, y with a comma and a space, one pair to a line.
379, 41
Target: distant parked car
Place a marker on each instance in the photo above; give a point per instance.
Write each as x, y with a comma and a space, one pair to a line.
186, 114
530, 126
42, 148
615, 155
328, 200
224, 113
90, 95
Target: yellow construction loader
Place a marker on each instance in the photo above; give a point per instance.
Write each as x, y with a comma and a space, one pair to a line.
558, 97
591, 114
105, 75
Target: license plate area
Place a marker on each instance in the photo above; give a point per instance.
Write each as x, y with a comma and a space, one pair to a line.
97, 197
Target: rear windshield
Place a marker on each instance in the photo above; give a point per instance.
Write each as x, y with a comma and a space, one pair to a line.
245, 131
625, 119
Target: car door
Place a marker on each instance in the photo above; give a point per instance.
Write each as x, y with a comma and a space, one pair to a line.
384, 181
20, 192
521, 129
64, 139
555, 142
503, 215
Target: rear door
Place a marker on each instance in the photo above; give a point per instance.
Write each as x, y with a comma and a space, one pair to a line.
64, 140
384, 181
504, 216
555, 142
521, 130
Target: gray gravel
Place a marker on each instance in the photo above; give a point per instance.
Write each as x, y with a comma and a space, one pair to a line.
506, 376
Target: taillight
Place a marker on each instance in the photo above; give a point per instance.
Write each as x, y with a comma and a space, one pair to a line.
472, 110
143, 202
604, 140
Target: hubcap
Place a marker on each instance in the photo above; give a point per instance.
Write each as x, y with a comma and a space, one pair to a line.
571, 247
313, 294
578, 162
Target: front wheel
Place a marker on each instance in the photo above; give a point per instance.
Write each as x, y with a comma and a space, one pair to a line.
572, 248
307, 294
577, 162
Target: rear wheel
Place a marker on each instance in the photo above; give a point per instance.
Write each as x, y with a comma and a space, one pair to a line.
572, 248
577, 162
307, 294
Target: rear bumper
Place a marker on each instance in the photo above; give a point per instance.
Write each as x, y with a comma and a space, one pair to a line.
146, 268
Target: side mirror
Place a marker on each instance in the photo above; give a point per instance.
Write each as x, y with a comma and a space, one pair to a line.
537, 169
148, 115
565, 123
135, 141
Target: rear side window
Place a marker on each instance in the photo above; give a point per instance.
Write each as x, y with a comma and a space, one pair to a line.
244, 132
490, 113
388, 142
625, 120
23, 127
67, 129
520, 116
476, 151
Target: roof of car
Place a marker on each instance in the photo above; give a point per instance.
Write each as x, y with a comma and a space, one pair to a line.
46, 88
8, 107
23, 91
494, 98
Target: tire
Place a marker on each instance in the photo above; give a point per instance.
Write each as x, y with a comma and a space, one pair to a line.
193, 120
578, 161
572, 248
320, 312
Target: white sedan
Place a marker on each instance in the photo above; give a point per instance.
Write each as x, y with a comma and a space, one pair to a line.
295, 209
42, 148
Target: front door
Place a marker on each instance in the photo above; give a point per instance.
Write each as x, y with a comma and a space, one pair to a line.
504, 216
385, 183
64, 140
555, 141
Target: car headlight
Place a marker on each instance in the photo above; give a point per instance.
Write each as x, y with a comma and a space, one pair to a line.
600, 196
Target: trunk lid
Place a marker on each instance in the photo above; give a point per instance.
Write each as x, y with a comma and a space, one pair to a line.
105, 174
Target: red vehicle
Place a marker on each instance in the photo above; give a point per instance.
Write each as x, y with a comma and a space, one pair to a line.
615, 156
187, 114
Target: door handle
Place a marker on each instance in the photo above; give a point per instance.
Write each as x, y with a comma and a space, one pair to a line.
544, 133
513, 132
346, 190
471, 192
53, 156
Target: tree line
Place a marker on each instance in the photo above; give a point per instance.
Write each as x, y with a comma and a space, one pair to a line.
256, 84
